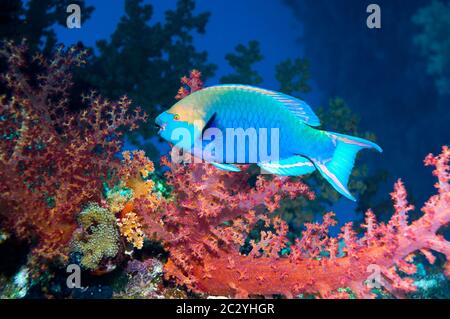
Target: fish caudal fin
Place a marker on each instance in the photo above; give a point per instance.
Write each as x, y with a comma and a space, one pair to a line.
338, 169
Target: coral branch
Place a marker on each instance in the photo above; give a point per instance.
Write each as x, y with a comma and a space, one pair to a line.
190, 84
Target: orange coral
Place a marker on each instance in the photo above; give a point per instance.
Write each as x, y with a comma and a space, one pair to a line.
130, 227
133, 173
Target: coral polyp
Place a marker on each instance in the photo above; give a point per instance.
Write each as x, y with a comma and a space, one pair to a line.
97, 238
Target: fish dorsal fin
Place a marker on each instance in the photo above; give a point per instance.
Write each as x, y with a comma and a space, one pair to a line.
298, 107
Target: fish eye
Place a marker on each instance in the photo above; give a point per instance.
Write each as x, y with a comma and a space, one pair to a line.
176, 117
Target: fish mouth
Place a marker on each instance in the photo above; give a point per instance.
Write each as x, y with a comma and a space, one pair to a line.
161, 127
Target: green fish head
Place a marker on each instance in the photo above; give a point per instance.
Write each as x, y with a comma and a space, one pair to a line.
180, 133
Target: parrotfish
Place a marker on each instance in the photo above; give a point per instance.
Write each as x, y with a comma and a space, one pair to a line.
302, 147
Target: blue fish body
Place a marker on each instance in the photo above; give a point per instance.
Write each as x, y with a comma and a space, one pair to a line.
286, 121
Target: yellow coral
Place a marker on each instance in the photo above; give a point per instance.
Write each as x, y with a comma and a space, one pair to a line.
131, 228
147, 170
139, 186
134, 171
117, 200
153, 201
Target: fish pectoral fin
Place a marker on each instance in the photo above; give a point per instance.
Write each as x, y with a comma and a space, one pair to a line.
291, 166
227, 167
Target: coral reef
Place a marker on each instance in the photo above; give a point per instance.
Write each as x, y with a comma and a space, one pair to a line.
130, 227
242, 61
222, 231
207, 222
211, 213
53, 160
145, 280
430, 283
97, 237
134, 174
117, 197
17, 287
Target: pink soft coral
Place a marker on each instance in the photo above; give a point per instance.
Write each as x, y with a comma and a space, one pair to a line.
190, 84
210, 216
212, 212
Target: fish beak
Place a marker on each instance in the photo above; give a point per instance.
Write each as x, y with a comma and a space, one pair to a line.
160, 124
161, 127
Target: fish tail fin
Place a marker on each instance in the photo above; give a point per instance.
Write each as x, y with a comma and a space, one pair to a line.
338, 169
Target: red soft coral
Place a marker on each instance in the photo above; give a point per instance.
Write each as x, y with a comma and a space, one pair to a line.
213, 212
52, 160
210, 216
